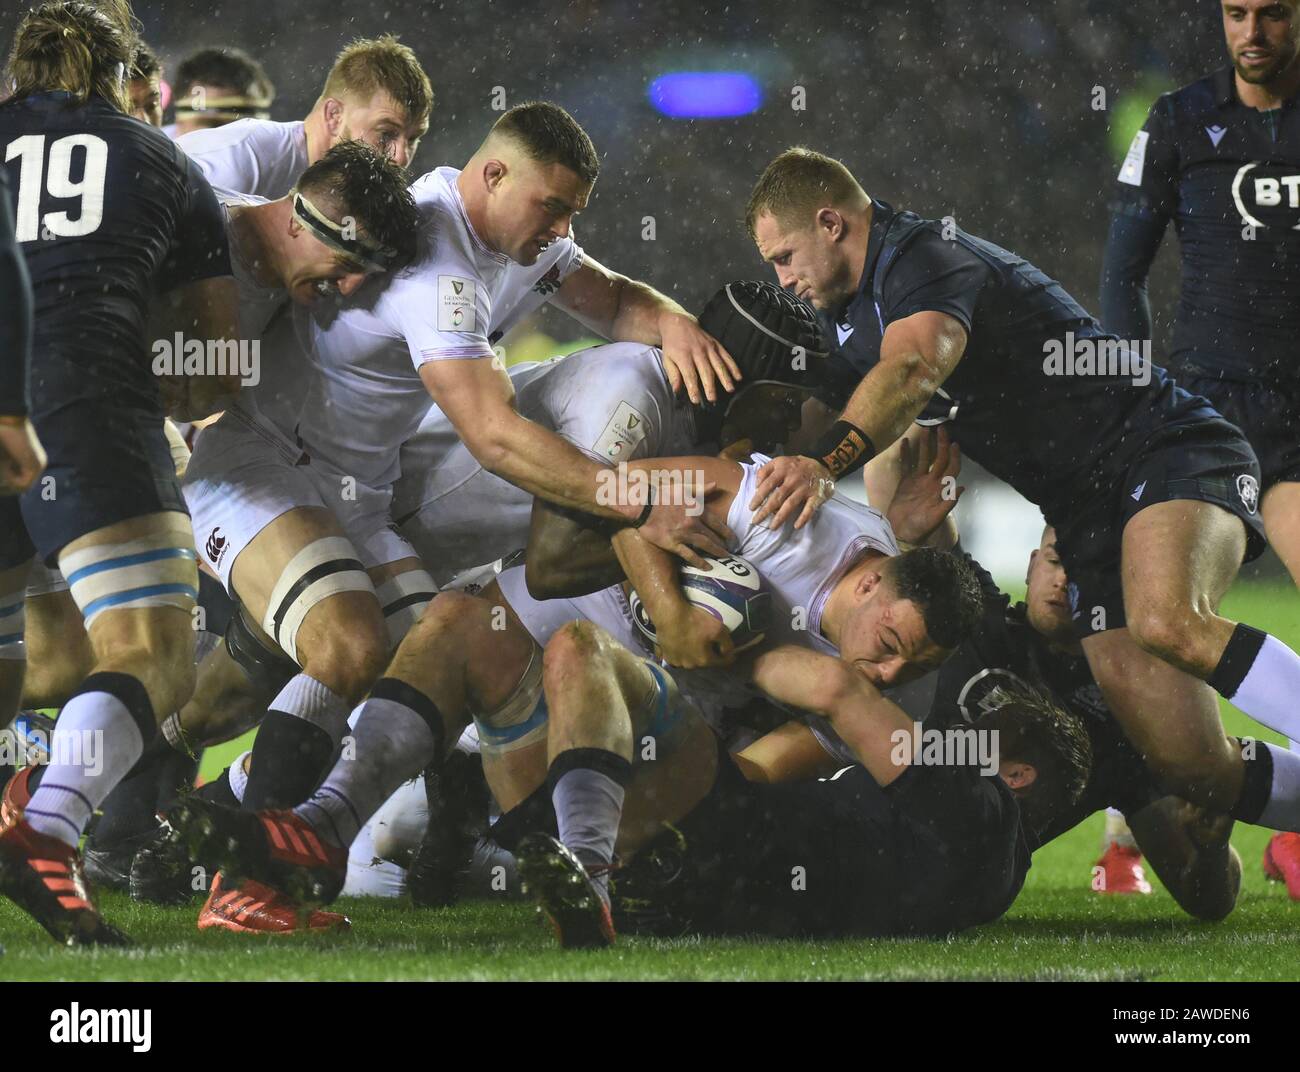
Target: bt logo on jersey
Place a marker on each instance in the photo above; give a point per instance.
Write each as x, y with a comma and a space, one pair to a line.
1266, 196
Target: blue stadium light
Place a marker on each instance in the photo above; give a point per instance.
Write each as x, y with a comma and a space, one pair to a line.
705, 94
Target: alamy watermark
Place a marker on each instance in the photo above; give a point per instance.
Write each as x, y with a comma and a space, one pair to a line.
632, 487
953, 747
82, 749
1098, 356
179, 356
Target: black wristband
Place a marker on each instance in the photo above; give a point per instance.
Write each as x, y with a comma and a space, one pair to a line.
843, 449
647, 509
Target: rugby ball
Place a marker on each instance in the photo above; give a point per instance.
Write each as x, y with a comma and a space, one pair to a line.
730, 589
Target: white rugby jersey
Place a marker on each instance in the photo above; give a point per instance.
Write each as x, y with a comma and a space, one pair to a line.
801, 567
250, 156
613, 402
361, 396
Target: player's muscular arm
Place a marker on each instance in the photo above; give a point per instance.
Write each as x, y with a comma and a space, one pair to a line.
207, 310
688, 637
628, 311
917, 354
823, 685
478, 399
569, 554
1189, 849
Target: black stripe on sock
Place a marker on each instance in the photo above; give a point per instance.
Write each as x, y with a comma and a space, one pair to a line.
1237, 659
391, 688
335, 565
406, 601
1257, 785
132, 694
54, 815
356, 818
90, 808
610, 764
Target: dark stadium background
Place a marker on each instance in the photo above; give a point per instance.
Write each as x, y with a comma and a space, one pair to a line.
982, 111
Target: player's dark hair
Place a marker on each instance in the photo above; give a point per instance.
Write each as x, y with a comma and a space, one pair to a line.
354, 179
797, 183
145, 64
550, 135
945, 589
1033, 729
368, 65
231, 68
74, 46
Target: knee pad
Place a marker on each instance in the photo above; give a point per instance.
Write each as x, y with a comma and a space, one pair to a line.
321, 569
267, 668
159, 570
521, 720
403, 599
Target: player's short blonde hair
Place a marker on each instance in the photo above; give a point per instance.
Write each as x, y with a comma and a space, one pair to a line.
82, 48
371, 64
798, 183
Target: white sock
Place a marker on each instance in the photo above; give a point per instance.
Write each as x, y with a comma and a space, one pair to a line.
1270, 691
94, 744
391, 744
1282, 812
588, 808
237, 776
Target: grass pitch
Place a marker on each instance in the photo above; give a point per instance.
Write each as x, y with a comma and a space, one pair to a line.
1058, 929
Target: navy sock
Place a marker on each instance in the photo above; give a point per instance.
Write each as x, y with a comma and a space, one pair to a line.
290, 759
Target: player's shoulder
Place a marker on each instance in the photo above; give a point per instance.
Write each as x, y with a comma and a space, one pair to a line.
614, 366
240, 132
1195, 98
232, 198
57, 113
448, 244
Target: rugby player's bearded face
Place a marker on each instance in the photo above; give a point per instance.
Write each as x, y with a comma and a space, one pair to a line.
146, 100
531, 205
1263, 37
382, 124
885, 639
1046, 602
810, 262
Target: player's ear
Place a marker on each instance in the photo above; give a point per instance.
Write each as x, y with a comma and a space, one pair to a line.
1019, 776
494, 171
868, 582
333, 112
1030, 568
830, 223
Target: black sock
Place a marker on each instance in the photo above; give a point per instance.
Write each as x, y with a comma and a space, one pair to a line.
291, 757
132, 807
1256, 785
218, 790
